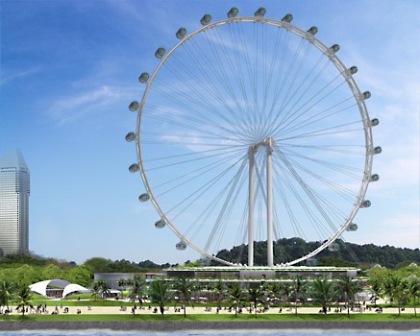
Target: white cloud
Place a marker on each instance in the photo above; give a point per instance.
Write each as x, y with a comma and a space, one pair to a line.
73, 107
18, 75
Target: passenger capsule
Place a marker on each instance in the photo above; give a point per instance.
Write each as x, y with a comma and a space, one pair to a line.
353, 69
134, 106
131, 136
160, 52
333, 247
233, 12
180, 34
313, 30
352, 227
335, 48
374, 122
160, 224
374, 178
287, 18
144, 197
144, 77
134, 168
205, 20
181, 246
260, 11
377, 150
366, 204
366, 95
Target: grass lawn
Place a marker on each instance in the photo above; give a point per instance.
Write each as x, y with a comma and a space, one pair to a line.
214, 317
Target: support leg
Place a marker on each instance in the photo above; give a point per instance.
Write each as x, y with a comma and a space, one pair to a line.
270, 261
251, 163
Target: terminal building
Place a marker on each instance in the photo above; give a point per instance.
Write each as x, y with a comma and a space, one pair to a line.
14, 204
259, 273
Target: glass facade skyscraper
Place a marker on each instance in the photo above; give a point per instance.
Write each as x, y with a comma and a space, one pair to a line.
14, 207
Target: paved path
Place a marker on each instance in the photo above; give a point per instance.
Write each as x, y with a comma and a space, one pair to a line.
201, 310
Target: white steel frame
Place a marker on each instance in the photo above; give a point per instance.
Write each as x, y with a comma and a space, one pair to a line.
342, 69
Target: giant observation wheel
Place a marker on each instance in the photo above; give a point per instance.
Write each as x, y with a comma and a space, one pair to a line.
250, 128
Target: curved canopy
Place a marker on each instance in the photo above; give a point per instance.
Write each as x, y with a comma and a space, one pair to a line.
67, 287
73, 288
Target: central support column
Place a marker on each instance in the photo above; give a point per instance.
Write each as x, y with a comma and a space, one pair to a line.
270, 261
251, 163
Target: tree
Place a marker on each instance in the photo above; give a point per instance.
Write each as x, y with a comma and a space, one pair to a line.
255, 296
413, 289
52, 271
23, 297
80, 275
98, 264
160, 294
6, 292
390, 286
220, 290
376, 288
100, 289
286, 291
297, 288
184, 288
236, 296
275, 291
137, 289
348, 287
401, 293
322, 292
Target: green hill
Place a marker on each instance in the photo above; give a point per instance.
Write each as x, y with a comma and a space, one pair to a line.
347, 254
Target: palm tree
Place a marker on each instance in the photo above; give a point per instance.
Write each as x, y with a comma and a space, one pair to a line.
137, 290
322, 292
347, 287
24, 297
413, 289
184, 288
236, 296
297, 288
122, 283
255, 296
220, 289
391, 285
286, 291
6, 292
401, 293
376, 288
275, 291
160, 294
100, 289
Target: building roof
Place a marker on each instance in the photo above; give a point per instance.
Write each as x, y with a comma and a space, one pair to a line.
264, 268
13, 159
67, 287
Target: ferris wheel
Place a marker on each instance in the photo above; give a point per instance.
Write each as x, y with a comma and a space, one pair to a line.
250, 128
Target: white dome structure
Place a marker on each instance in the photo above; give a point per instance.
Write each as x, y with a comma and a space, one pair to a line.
57, 288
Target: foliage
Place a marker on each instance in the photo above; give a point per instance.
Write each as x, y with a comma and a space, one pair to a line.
236, 296
256, 295
183, 288
346, 288
137, 289
348, 254
6, 293
298, 288
24, 297
160, 294
100, 289
322, 292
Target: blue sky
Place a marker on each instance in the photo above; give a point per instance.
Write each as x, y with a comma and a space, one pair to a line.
69, 69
